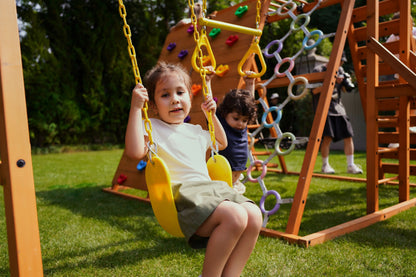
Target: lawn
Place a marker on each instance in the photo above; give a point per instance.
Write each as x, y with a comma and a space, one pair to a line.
87, 232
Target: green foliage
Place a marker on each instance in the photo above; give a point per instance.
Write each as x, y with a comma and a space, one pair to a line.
78, 74
77, 70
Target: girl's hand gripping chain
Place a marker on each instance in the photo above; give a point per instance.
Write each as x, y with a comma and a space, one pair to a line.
135, 140
139, 96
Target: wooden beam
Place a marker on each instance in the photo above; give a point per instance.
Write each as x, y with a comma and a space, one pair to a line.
16, 167
312, 149
404, 71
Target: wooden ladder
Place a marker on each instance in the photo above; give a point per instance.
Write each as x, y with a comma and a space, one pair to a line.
388, 104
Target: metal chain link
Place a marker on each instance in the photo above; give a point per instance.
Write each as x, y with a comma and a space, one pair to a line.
202, 71
258, 8
136, 71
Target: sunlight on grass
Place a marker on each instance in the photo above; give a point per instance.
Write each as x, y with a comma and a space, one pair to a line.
87, 232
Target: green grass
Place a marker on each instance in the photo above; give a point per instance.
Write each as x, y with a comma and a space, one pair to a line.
87, 232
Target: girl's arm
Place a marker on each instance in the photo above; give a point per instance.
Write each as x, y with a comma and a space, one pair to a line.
210, 105
220, 136
135, 140
250, 82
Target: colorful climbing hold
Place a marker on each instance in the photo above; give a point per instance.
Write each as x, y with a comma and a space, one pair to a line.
241, 11
215, 32
141, 165
182, 54
121, 179
171, 46
195, 89
231, 40
222, 69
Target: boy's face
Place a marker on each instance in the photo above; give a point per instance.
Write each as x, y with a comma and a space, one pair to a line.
236, 120
172, 99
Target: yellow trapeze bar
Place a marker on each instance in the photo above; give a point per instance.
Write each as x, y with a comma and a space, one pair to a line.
230, 27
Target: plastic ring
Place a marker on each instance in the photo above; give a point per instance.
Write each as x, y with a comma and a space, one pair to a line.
263, 199
290, 88
277, 144
279, 11
307, 19
279, 48
277, 120
285, 60
250, 168
306, 39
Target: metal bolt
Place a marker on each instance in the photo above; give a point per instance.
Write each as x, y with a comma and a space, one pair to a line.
21, 163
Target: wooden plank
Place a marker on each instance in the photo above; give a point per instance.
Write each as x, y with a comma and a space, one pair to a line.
386, 7
16, 169
385, 29
358, 224
344, 228
404, 71
404, 154
372, 13
394, 168
395, 91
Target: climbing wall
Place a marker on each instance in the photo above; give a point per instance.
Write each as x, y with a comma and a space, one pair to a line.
225, 53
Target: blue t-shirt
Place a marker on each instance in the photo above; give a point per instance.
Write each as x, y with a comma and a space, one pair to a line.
237, 149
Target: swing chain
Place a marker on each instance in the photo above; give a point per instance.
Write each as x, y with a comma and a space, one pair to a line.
258, 8
136, 71
202, 71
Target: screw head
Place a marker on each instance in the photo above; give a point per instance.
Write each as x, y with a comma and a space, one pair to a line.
21, 163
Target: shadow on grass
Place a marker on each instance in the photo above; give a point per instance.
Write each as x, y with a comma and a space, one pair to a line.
127, 218
339, 204
146, 240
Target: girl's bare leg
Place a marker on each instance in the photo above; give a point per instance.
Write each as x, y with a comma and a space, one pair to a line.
246, 243
233, 231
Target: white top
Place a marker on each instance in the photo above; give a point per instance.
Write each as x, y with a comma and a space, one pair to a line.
183, 148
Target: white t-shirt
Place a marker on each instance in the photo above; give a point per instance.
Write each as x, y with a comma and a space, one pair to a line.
183, 148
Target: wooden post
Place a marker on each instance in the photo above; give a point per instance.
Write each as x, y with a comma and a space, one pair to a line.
318, 124
372, 110
16, 161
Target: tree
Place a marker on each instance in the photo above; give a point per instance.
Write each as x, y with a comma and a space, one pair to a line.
77, 70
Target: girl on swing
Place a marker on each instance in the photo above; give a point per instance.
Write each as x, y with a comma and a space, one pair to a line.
211, 214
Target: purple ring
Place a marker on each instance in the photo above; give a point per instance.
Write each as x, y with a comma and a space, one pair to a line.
279, 48
263, 198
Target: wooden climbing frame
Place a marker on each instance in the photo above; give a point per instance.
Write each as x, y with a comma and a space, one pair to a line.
372, 58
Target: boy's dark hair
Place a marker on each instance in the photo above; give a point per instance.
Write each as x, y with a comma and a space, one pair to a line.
158, 71
240, 101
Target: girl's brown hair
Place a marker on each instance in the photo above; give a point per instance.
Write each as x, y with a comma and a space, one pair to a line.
159, 71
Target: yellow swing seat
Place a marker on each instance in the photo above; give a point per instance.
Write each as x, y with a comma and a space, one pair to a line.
160, 190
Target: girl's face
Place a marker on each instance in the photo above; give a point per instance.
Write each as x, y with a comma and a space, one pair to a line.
236, 120
172, 99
